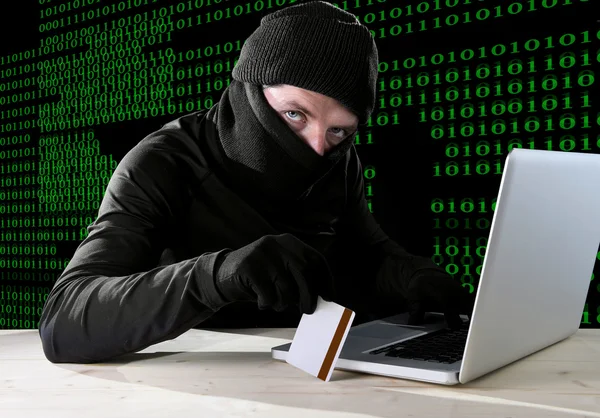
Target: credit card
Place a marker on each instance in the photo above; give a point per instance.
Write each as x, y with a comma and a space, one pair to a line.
319, 339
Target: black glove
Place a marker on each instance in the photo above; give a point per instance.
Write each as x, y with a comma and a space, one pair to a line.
276, 271
438, 292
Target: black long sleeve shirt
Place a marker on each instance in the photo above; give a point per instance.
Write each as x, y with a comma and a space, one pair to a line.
145, 272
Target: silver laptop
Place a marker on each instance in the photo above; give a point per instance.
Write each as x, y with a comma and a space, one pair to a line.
534, 280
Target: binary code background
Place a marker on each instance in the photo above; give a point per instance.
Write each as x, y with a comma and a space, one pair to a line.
461, 82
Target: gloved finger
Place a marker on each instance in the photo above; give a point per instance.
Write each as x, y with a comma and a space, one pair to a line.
326, 288
453, 320
318, 274
309, 305
448, 296
432, 291
416, 313
266, 294
287, 293
325, 285
307, 297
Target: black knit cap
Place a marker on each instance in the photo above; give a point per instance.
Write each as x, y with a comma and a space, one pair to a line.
315, 46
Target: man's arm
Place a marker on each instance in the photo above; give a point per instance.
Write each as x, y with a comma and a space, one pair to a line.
112, 298
382, 269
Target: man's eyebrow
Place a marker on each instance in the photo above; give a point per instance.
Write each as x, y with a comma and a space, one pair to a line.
298, 106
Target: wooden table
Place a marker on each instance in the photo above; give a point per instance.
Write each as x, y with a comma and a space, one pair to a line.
231, 374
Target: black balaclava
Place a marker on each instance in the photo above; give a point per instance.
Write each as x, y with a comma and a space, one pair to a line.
315, 46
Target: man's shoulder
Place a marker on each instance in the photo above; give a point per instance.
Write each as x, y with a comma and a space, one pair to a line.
162, 167
183, 131
189, 123
178, 138
171, 153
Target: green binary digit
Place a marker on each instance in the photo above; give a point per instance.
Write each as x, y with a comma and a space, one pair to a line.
586, 315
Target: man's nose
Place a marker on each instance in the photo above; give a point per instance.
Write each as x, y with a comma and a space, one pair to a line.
317, 139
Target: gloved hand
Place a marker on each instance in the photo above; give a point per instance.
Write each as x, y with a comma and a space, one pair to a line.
438, 292
276, 271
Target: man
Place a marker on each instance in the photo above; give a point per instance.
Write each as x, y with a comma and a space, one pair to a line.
241, 215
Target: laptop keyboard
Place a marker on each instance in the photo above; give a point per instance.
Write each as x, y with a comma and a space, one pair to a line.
443, 346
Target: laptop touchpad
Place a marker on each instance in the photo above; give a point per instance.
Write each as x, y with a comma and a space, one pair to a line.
385, 331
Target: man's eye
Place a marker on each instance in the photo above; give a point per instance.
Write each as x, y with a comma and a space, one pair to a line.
297, 116
295, 113
342, 134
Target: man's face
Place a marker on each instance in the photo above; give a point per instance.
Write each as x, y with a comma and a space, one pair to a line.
322, 122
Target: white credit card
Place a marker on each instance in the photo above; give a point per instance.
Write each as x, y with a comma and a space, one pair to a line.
319, 339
